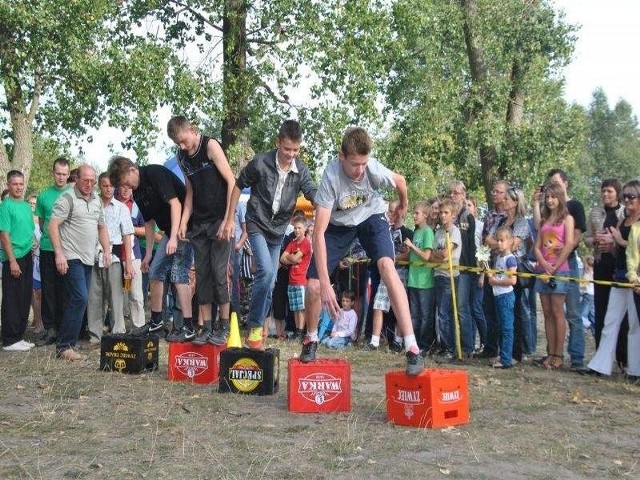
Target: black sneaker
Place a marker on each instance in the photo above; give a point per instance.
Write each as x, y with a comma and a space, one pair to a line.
182, 335
415, 364
395, 347
308, 351
221, 337
140, 331
446, 357
202, 338
154, 327
48, 337
369, 347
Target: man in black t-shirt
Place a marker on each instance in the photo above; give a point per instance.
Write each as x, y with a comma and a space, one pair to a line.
576, 344
160, 194
209, 182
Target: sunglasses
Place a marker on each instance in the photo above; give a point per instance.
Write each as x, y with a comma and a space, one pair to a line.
513, 193
629, 197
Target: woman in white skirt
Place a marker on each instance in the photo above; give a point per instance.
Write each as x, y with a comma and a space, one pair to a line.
621, 300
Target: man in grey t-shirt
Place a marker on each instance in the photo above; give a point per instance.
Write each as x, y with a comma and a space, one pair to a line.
348, 205
76, 224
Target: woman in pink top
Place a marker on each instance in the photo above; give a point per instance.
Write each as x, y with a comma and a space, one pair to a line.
552, 248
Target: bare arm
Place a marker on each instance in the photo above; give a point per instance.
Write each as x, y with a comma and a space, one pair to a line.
54, 236
219, 159
327, 295
187, 209
103, 238
569, 243
403, 195
176, 212
127, 241
5, 240
150, 231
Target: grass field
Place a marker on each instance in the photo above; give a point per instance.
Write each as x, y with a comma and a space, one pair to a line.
63, 420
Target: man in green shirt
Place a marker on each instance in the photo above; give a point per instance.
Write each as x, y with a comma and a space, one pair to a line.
16, 236
54, 289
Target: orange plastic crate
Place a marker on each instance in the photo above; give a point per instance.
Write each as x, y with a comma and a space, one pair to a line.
322, 386
433, 399
194, 363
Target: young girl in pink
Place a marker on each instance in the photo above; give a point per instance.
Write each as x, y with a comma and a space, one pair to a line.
552, 248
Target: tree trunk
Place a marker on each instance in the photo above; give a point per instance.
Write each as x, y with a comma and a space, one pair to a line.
515, 109
475, 54
22, 155
234, 74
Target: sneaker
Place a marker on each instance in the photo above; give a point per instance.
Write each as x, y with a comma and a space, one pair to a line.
255, 339
17, 347
220, 337
182, 335
202, 338
71, 355
369, 347
395, 347
257, 345
140, 331
445, 357
415, 364
48, 337
308, 350
154, 327
28, 344
500, 365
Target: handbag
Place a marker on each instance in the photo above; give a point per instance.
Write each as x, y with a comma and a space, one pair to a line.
525, 266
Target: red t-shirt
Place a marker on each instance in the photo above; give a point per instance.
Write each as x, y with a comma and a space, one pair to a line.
298, 272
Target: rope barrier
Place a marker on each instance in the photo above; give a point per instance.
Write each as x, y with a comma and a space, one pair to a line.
542, 276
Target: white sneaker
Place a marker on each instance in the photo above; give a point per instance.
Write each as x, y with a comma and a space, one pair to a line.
16, 347
28, 344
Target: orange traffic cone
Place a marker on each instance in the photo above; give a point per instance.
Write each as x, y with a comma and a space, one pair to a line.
234, 333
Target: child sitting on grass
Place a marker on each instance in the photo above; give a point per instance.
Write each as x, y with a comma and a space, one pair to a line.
344, 328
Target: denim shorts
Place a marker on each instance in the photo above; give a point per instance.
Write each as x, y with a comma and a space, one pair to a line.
177, 266
296, 297
374, 236
561, 286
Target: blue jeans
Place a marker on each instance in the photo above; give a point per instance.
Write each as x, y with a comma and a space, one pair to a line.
266, 255
493, 329
78, 279
337, 343
521, 323
466, 284
423, 315
588, 311
529, 328
572, 302
444, 306
505, 304
477, 311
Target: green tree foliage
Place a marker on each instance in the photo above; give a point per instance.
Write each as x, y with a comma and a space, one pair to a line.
613, 142
253, 56
474, 92
69, 65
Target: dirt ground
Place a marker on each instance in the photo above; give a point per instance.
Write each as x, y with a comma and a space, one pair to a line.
62, 420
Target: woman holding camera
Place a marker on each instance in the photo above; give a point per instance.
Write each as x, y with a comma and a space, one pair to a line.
552, 248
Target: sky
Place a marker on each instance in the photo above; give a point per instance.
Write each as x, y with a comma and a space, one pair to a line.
607, 43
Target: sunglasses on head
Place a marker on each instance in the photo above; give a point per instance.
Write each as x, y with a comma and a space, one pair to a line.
513, 193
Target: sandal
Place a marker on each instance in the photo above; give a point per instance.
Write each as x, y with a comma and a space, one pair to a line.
556, 362
542, 361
